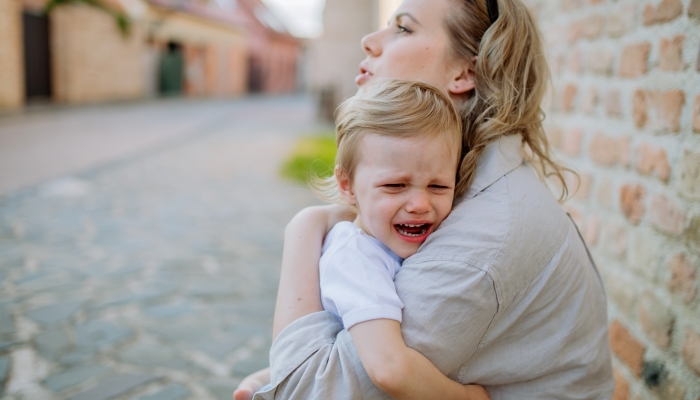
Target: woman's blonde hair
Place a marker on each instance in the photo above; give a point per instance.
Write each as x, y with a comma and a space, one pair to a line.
511, 77
394, 108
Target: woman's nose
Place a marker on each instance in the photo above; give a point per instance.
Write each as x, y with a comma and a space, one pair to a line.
371, 44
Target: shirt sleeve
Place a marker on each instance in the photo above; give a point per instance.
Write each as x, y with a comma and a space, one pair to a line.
359, 284
448, 308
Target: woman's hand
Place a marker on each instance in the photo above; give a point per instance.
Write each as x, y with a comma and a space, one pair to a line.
251, 384
299, 292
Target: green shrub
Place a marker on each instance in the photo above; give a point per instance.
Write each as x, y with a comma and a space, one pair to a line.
311, 155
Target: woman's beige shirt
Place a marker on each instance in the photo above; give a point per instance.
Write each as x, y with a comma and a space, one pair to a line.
503, 294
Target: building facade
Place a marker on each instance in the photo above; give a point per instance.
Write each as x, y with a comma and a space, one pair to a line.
80, 54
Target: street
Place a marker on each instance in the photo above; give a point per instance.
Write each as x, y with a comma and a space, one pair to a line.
140, 245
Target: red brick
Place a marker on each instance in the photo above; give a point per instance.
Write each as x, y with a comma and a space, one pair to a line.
656, 319
691, 350
653, 160
683, 279
666, 11
568, 97
639, 108
660, 109
632, 202
669, 106
572, 142
555, 136
622, 388
600, 61
671, 53
614, 239
593, 26
690, 175
591, 232
621, 19
608, 151
626, 347
613, 104
623, 293
696, 111
633, 62
573, 62
667, 215
604, 193
596, 2
575, 31
694, 9
589, 100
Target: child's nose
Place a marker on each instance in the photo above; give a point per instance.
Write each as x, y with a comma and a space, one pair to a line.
418, 203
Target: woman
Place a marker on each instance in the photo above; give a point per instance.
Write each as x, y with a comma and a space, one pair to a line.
504, 293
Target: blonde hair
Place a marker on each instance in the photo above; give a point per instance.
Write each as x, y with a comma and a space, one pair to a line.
394, 108
511, 77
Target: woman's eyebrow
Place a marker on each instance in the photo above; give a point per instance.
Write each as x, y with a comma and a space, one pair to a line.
405, 14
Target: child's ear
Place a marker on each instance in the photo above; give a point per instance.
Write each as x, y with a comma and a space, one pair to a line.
345, 186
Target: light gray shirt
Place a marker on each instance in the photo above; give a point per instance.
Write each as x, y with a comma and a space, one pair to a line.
503, 294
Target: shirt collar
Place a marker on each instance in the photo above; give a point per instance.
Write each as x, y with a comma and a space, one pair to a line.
498, 158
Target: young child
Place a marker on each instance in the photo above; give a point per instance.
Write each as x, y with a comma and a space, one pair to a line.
400, 200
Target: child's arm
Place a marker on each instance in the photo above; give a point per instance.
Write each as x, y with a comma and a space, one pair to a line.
299, 292
400, 371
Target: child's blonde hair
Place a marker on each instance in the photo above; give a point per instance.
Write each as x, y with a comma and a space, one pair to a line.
389, 107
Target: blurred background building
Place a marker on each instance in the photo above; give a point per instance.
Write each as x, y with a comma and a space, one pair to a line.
91, 51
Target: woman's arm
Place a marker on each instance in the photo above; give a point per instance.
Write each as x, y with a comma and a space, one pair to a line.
299, 292
400, 371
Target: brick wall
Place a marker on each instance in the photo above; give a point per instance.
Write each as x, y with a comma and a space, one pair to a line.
11, 55
91, 59
625, 113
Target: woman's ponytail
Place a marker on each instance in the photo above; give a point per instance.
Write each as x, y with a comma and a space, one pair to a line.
511, 81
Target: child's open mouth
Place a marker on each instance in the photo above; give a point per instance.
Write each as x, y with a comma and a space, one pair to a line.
414, 233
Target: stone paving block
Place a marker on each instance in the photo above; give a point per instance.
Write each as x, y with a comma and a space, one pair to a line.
258, 360
80, 355
54, 313
7, 344
51, 344
4, 370
115, 386
71, 377
99, 334
221, 388
218, 348
7, 324
173, 391
155, 355
169, 310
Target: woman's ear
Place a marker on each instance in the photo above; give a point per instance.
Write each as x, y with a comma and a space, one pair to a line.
345, 186
463, 78
462, 83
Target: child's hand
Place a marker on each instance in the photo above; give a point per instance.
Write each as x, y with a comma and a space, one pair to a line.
251, 384
474, 392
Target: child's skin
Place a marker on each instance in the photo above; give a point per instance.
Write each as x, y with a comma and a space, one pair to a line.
390, 189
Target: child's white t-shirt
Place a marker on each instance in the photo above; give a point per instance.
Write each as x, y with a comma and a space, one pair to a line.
357, 276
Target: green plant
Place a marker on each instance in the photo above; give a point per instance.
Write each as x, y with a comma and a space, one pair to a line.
312, 155
122, 21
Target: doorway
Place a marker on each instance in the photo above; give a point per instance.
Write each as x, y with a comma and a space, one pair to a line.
37, 57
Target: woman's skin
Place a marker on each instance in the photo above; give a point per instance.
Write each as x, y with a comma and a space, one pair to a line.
414, 46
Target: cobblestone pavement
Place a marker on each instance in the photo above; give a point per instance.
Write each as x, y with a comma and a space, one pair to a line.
153, 277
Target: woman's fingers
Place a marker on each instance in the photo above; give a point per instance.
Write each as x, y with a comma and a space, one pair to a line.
243, 394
